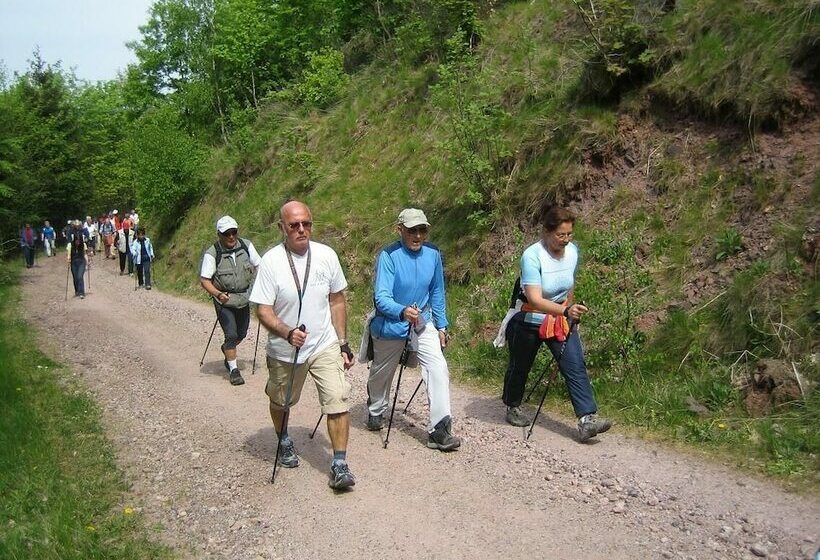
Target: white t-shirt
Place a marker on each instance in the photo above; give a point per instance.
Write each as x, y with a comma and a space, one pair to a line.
208, 267
276, 286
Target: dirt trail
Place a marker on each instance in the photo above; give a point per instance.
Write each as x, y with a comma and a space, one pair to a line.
199, 453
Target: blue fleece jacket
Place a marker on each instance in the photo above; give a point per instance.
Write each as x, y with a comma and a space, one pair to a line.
405, 277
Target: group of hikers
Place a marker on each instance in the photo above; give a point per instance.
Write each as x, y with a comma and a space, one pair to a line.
110, 233
298, 287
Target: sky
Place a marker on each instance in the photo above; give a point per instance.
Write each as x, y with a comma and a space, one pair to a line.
86, 35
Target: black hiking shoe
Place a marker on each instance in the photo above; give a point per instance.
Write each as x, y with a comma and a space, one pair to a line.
375, 422
590, 426
287, 455
236, 377
442, 437
340, 476
516, 417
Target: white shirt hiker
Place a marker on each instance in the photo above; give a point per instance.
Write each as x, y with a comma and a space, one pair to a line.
276, 286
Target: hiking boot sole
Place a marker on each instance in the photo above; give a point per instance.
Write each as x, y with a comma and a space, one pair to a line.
344, 482
517, 422
444, 447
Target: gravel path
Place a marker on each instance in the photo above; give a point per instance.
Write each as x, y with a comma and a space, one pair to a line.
199, 454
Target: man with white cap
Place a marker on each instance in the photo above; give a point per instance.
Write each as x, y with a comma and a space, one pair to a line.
410, 307
227, 272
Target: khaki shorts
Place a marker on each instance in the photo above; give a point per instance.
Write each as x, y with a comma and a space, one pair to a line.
327, 370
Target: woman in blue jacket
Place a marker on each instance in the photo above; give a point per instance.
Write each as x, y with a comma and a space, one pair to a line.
142, 253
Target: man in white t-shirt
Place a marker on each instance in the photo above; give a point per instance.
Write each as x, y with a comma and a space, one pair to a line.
227, 271
300, 282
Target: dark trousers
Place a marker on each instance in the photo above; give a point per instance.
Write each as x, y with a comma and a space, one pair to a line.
28, 254
234, 322
144, 272
78, 273
126, 258
524, 343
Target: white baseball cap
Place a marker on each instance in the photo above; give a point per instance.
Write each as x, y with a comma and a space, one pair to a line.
225, 223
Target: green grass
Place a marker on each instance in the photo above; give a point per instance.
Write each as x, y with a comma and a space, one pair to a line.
63, 496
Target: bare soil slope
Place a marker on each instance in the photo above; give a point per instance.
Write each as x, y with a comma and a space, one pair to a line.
199, 453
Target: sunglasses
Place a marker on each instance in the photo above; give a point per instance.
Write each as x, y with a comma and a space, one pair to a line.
229, 233
418, 230
294, 226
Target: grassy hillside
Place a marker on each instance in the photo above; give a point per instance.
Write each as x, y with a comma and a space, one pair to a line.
684, 140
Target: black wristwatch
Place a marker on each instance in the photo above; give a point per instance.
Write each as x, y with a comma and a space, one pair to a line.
566, 310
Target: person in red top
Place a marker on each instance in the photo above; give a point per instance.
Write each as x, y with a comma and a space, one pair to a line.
27, 239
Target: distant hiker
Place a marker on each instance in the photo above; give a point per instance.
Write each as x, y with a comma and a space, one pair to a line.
548, 315
90, 231
48, 235
115, 217
227, 272
28, 239
142, 252
135, 219
77, 258
107, 232
301, 282
124, 238
66, 232
411, 312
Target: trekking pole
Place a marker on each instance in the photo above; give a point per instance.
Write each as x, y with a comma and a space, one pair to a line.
538, 382
89, 274
202, 361
402, 360
553, 376
413, 396
67, 273
286, 412
319, 421
256, 349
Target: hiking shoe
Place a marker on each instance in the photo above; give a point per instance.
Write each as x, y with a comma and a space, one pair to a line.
82, 296
236, 377
442, 437
148, 287
375, 422
340, 476
590, 426
516, 416
287, 455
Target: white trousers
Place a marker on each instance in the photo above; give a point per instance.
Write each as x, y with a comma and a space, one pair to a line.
49, 245
386, 356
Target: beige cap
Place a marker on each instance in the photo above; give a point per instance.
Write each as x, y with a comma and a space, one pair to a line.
412, 217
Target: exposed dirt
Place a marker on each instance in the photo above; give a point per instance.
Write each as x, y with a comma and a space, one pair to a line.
199, 454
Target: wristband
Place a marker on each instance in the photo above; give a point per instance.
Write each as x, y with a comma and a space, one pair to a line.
566, 310
345, 348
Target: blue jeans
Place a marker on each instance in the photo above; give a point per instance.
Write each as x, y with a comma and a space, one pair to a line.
78, 271
28, 254
524, 343
144, 272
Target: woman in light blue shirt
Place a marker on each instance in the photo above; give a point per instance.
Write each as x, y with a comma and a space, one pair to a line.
548, 313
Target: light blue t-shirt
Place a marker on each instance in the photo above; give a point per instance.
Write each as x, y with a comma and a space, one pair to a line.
555, 276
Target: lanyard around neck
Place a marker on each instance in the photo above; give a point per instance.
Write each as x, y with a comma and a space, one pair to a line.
299, 289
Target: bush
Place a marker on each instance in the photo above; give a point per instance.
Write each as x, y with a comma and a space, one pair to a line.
324, 80
166, 166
